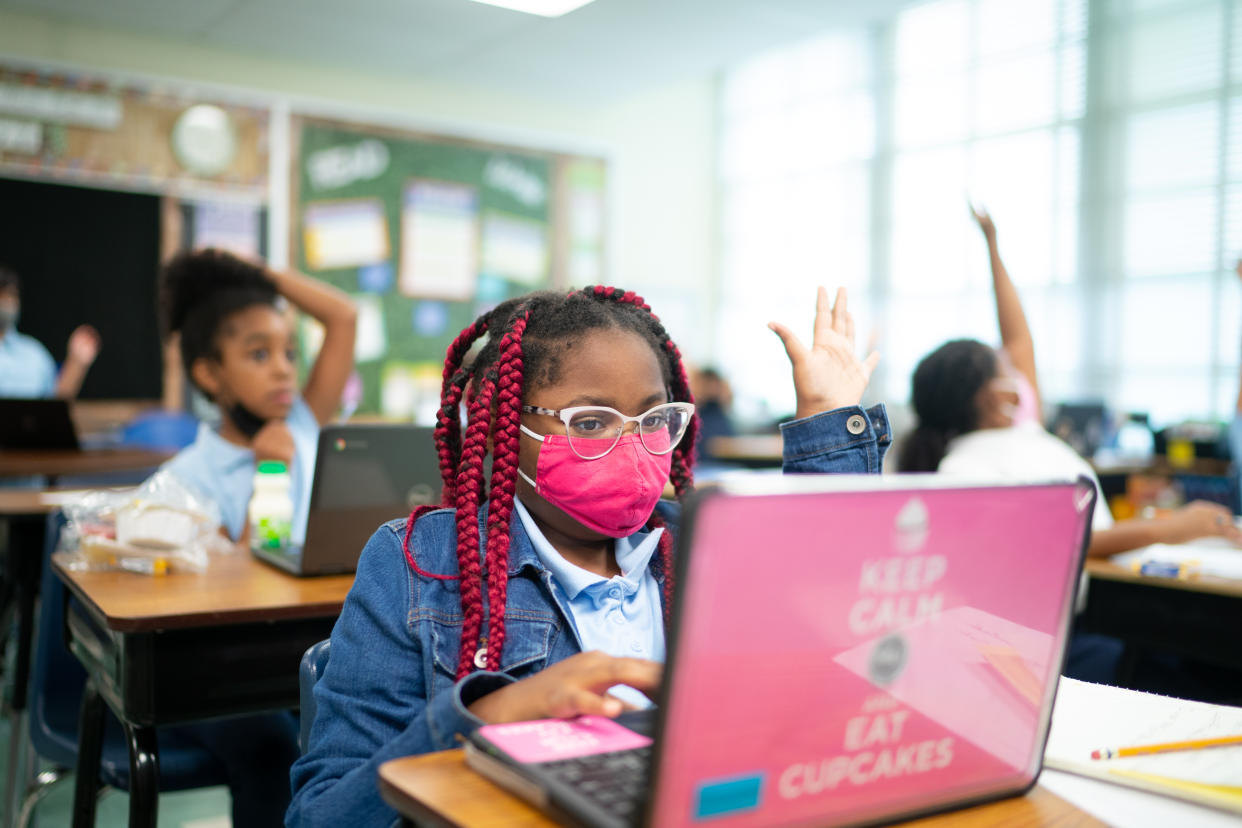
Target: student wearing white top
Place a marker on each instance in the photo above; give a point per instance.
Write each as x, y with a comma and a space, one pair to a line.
978, 413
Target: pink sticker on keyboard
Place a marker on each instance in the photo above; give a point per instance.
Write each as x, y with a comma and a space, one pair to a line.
547, 740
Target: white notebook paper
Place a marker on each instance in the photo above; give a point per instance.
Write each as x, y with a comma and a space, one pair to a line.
1090, 717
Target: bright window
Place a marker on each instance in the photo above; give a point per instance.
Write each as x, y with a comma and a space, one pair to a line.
848, 160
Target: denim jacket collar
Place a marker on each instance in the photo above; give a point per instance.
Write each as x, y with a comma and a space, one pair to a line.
522, 552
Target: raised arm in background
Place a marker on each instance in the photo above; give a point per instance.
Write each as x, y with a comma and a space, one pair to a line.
334, 310
80, 354
1016, 337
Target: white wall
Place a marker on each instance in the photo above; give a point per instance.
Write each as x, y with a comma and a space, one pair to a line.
660, 143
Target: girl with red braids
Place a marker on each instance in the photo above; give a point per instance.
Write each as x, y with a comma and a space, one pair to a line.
543, 589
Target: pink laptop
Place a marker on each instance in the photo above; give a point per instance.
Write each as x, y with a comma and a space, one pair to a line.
845, 650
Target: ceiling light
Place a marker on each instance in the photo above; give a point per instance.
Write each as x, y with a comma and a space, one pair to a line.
543, 8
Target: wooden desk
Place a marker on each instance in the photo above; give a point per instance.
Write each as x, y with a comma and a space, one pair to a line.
53, 463
440, 790
31, 502
185, 647
1195, 617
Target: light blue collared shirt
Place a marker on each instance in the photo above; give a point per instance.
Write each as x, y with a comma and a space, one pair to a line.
26, 368
621, 615
224, 473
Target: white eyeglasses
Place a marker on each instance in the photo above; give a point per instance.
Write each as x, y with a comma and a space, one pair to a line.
593, 430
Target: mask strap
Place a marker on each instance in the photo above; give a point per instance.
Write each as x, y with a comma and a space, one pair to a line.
538, 437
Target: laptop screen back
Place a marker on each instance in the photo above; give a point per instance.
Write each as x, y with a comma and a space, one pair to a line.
27, 424
845, 655
365, 475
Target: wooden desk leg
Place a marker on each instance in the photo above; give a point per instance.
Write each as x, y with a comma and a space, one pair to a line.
144, 776
90, 745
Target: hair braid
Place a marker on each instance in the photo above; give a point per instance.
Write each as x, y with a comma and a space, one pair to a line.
666, 567
409, 553
448, 419
469, 493
505, 437
447, 434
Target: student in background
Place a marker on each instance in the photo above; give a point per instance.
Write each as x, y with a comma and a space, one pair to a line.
26, 367
712, 399
544, 590
238, 348
978, 414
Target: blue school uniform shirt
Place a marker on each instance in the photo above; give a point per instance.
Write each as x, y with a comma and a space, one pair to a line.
26, 368
621, 615
224, 473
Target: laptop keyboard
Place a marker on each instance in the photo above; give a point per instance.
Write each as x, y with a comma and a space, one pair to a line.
615, 782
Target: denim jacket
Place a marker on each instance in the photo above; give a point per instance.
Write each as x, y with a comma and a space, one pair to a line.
390, 687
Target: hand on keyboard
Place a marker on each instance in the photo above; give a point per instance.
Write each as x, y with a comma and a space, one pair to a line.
573, 687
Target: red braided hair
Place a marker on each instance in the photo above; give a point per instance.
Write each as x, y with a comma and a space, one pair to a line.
492, 388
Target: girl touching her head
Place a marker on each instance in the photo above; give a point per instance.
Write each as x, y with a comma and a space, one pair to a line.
543, 588
238, 347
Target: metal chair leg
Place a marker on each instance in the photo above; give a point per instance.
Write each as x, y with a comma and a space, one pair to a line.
43, 785
12, 773
144, 776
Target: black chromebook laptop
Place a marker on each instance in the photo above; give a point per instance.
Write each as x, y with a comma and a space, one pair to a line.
365, 475
36, 424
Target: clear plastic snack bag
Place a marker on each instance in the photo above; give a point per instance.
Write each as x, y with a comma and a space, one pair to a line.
156, 528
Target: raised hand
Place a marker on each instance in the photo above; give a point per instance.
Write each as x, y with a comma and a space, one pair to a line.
984, 221
83, 345
274, 442
828, 375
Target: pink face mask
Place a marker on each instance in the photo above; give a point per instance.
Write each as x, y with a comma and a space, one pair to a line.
1027, 409
614, 494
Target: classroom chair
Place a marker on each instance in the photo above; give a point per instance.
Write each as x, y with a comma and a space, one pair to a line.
160, 430
313, 664
56, 686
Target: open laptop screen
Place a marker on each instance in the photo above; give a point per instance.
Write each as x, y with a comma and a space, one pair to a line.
842, 655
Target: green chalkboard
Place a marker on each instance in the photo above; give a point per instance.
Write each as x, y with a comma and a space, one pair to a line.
426, 234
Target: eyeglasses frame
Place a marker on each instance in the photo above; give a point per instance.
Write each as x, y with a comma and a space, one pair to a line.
566, 414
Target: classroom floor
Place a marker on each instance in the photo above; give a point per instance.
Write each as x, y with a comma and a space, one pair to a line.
203, 808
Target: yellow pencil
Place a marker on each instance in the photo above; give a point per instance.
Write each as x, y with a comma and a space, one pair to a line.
1189, 744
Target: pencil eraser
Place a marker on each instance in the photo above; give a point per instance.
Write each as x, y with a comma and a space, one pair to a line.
1095, 754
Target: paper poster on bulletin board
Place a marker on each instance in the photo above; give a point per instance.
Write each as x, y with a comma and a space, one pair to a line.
439, 240
427, 232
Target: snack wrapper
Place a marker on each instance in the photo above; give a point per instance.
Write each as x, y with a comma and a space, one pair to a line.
159, 527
